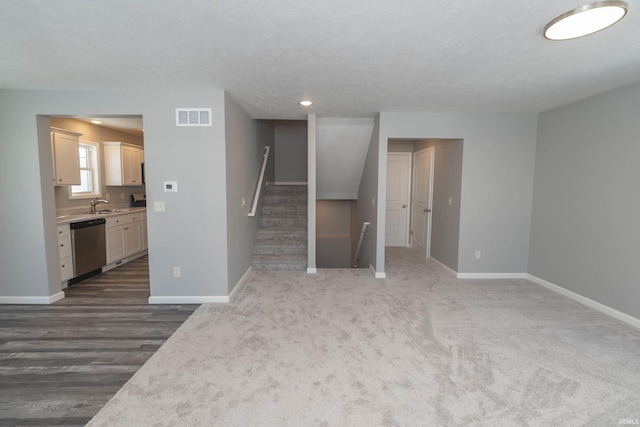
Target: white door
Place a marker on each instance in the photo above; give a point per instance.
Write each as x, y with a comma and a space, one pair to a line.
422, 189
398, 190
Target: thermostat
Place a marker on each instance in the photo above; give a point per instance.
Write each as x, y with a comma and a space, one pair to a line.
170, 187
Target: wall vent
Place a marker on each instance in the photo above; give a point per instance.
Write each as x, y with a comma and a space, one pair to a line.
193, 117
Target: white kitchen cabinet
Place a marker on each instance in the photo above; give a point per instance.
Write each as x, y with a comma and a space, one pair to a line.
115, 243
143, 223
66, 158
64, 252
124, 236
123, 164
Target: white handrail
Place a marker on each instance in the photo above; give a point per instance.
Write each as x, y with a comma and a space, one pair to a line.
256, 197
356, 259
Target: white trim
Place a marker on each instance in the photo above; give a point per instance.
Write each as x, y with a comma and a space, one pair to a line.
33, 300
290, 183
491, 275
586, 301
243, 281
188, 300
312, 270
377, 275
449, 270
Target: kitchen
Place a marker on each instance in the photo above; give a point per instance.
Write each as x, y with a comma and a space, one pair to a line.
98, 166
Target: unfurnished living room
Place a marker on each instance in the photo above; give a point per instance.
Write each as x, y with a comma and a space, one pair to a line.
338, 213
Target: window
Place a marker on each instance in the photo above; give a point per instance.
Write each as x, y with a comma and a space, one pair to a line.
89, 172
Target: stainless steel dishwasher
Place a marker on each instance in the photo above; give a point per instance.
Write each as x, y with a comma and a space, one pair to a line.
89, 248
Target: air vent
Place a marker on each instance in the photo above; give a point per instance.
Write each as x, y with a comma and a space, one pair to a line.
193, 116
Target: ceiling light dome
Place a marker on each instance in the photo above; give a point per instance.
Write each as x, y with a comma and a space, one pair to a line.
305, 103
585, 20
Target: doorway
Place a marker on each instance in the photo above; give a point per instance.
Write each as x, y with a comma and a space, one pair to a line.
435, 233
106, 161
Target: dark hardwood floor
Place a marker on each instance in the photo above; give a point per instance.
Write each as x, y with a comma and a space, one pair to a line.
61, 363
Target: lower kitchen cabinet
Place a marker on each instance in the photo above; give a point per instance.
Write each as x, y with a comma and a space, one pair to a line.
64, 252
124, 236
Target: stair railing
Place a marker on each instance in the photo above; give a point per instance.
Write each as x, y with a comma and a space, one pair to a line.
256, 197
356, 259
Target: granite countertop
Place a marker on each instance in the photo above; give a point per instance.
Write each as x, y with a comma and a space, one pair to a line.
77, 217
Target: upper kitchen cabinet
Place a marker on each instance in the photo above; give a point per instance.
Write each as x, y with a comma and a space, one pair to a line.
123, 164
66, 158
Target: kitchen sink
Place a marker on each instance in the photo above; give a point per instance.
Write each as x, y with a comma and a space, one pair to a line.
101, 213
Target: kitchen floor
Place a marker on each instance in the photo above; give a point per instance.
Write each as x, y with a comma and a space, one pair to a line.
61, 363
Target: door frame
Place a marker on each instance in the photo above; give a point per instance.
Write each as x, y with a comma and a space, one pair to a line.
413, 184
408, 218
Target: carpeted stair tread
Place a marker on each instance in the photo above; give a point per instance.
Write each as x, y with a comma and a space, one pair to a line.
281, 238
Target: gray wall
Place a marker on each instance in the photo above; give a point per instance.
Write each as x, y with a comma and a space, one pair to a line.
367, 192
333, 233
266, 137
447, 183
192, 233
341, 151
244, 160
584, 230
291, 151
497, 183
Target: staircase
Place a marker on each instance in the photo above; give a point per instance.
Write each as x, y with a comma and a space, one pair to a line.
281, 239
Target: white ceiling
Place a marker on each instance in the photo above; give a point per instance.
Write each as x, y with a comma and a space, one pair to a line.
353, 58
130, 125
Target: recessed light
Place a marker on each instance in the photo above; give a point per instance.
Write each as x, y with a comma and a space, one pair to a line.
305, 103
96, 122
585, 20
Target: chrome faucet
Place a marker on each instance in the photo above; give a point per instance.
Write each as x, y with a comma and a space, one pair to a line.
95, 202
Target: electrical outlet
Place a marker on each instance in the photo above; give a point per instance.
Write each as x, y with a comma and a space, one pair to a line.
450, 201
478, 254
108, 196
373, 201
176, 271
244, 202
158, 206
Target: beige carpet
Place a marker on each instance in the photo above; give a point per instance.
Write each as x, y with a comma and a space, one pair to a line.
419, 348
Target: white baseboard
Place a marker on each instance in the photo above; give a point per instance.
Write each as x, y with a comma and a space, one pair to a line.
290, 183
586, 301
312, 270
491, 275
376, 274
188, 300
33, 300
449, 270
243, 281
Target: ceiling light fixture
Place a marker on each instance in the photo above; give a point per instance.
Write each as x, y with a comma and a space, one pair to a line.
96, 122
305, 103
585, 20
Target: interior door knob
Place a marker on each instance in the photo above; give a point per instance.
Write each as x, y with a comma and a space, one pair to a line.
404, 206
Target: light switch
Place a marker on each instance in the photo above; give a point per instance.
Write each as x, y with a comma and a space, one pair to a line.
244, 202
158, 206
450, 201
170, 187
373, 201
